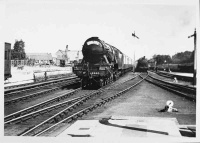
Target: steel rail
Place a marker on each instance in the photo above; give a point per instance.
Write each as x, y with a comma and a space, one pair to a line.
122, 82
49, 79
37, 106
30, 95
125, 90
90, 108
169, 75
190, 89
42, 86
41, 111
172, 89
83, 111
162, 74
83, 99
39, 84
36, 94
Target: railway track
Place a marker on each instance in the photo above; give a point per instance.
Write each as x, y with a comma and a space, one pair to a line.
182, 90
37, 86
50, 101
171, 76
20, 97
78, 112
9, 99
31, 83
191, 88
44, 118
66, 106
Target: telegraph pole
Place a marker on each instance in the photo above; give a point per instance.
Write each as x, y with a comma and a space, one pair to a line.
195, 64
134, 50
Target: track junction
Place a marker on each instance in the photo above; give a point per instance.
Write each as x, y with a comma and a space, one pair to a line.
65, 107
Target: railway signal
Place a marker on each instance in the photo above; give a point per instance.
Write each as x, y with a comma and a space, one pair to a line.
134, 35
134, 51
195, 42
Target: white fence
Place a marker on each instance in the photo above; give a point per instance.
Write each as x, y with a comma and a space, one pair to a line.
19, 62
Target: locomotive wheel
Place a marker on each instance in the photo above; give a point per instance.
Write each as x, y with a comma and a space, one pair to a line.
106, 82
84, 83
111, 78
101, 83
114, 77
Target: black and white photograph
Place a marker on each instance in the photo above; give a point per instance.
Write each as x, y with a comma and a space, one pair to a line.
104, 70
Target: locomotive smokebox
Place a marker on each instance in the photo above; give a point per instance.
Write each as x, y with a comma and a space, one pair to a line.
93, 50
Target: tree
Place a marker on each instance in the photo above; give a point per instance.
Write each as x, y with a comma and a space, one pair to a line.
183, 57
191, 59
18, 51
161, 59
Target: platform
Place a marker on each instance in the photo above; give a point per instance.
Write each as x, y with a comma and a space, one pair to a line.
117, 126
189, 75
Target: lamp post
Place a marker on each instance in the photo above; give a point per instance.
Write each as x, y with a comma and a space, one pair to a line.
195, 66
166, 62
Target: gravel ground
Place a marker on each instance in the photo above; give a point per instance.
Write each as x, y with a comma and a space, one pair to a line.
145, 101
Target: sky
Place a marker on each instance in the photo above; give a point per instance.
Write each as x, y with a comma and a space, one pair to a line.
46, 26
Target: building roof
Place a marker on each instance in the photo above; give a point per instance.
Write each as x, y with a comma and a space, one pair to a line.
61, 55
70, 54
61, 51
39, 56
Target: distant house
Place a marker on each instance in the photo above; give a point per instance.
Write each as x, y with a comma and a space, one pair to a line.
40, 57
67, 56
61, 57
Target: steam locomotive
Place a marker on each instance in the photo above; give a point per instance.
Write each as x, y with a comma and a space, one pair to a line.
102, 63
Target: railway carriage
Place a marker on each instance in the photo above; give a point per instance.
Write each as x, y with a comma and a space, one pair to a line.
101, 64
7, 61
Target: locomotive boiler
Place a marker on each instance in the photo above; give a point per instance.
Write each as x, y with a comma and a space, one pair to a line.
102, 63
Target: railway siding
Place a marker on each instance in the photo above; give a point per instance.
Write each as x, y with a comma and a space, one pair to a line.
92, 100
181, 89
131, 103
